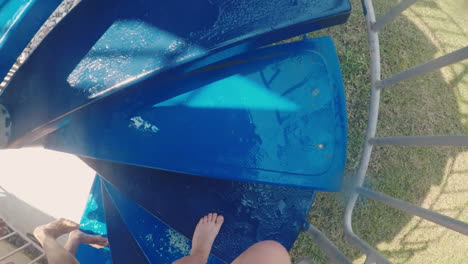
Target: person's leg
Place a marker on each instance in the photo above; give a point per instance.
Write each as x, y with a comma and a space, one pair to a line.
47, 235
77, 237
205, 233
207, 229
270, 252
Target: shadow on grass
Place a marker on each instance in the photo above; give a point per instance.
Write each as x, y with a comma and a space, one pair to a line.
425, 105
419, 235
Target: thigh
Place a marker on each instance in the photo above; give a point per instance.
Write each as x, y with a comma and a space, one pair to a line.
268, 252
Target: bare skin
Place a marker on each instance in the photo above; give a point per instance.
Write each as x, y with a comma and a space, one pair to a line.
207, 229
77, 237
205, 233
268, 252
58, 254
55, 229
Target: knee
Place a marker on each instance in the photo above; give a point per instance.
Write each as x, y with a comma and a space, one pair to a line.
271, 246
190, 260
267, 251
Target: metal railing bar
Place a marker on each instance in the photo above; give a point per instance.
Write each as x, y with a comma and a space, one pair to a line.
392, 14
429, 66
370, 260
374, 50
461, 140
429, 215
366, 248
8, 235
27, 239
332, 252
14, 251
24, 237
373, 256
36, 259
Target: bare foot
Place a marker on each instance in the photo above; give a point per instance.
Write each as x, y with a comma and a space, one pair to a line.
205, 233
54, 229
92, 240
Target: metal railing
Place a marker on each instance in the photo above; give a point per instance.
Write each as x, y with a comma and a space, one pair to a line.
28, 242
373, 256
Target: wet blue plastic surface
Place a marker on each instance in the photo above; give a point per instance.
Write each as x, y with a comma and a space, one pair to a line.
92, 53
19, 21
253, 212
93, 222
275, 115
124, 248
160, 243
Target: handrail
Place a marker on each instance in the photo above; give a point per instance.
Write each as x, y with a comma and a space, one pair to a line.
461, 140
29, 242
14, 251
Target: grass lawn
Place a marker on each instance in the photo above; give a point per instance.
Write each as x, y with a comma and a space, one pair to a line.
432, 104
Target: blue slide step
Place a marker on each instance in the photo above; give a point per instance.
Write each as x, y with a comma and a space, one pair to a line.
253, 212
104, 46
93, 222
274, 115
19, 21
124, 248
159, 242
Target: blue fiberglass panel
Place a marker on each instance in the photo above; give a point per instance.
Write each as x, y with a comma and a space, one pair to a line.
93, 222
19, 21
253, 212
164, 34
124, 248
276, 115
159, 242
92, 53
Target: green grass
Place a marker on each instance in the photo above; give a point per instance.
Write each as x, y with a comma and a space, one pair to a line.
432, 104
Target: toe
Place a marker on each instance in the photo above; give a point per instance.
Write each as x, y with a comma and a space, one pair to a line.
205, 219
220, 220
210, 217
215, 215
